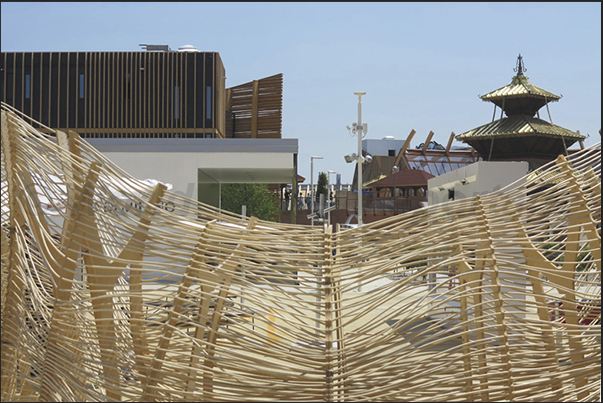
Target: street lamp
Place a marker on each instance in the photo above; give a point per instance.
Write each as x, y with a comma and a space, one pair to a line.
359, 129
395, 170
312, 183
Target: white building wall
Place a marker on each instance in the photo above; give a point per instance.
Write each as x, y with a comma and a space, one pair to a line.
181, 169
188, 163
481, 178
478, 178
178, 169
381, 147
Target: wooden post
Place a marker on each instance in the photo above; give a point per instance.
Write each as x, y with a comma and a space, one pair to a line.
327, 269
13, 282
491, 261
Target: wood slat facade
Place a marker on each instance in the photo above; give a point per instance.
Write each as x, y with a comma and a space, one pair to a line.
256, 108
119, 94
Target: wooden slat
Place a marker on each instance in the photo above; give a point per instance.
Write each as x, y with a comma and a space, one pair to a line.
257, 106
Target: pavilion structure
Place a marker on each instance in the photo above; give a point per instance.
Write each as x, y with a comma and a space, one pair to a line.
521, 135
399, 192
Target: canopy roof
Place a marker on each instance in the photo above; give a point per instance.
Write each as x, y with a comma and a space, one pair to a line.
405, 178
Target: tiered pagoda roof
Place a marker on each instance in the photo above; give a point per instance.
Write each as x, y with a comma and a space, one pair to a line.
521, 134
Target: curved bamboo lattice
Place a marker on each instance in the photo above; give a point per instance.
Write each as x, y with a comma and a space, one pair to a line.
115, 289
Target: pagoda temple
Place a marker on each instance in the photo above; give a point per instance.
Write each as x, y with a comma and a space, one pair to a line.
521, 135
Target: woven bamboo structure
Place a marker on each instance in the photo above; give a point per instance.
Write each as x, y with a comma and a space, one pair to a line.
117, 290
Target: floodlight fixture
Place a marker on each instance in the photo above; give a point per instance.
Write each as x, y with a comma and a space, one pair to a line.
350, 157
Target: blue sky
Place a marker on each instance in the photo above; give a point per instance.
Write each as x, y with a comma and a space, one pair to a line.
422, 65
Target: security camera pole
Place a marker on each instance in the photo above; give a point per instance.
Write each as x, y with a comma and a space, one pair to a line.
358, 130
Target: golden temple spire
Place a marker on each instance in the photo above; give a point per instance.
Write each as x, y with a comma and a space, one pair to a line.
519, 67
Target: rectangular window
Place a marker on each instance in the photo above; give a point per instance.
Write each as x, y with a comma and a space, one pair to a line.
27, 85
81, 86
176, 102
208, 103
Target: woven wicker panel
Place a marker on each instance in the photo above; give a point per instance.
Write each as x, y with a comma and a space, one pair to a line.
117, 289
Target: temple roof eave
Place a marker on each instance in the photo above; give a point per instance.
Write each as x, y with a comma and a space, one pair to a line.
518, 126
520, 89
519, 96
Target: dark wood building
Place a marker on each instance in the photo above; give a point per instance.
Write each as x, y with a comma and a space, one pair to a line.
157, 93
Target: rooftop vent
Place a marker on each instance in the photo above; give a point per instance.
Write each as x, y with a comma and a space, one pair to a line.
187, 48
389, 138
155, 48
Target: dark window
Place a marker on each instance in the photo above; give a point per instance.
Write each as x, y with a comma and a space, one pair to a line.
27, 85
176, 102
208, 103
450, 194
391, 153
81, 86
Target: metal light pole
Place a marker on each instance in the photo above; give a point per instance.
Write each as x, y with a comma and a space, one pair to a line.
312, 183
395, 170
358, 130
329, 180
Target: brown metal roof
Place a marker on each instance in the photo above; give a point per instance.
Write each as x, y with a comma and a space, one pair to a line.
518, 126
410, 177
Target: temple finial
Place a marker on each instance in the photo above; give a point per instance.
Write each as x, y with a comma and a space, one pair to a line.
519, 67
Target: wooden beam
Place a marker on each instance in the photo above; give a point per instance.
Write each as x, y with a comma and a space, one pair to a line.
450, 139
401, 154
427, 141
